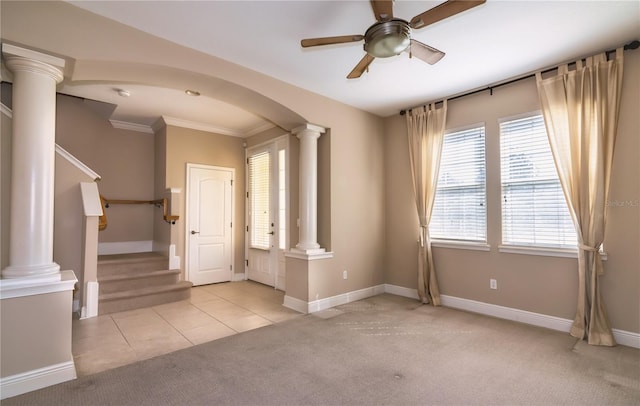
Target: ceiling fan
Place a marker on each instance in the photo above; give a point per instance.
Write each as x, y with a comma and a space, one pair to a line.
391, 36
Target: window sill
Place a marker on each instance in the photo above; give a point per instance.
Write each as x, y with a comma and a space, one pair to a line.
461, 245
543, 251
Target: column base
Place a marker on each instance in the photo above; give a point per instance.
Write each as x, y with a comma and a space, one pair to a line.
28, 271
309, 254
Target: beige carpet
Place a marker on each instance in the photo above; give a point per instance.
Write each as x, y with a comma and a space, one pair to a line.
385, 350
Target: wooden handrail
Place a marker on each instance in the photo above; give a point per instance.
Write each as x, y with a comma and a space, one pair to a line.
110, 201
102, 221
164, 203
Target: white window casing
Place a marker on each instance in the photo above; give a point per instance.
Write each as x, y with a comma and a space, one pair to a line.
460, 210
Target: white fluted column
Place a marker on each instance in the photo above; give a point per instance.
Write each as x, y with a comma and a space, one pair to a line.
308, 135
35, 76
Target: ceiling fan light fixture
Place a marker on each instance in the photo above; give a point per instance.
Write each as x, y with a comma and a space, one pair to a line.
387, 38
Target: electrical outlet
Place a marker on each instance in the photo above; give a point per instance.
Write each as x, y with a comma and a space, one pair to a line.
493, 283
344, 274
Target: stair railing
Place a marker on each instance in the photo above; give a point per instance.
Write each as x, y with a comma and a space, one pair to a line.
164, 203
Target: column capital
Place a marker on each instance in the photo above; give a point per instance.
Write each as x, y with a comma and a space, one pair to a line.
22, 59
308, 128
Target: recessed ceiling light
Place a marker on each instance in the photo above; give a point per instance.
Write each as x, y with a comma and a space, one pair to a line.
192, 92
123, 93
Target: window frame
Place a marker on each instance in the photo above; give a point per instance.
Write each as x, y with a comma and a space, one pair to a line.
558, 250
456, 242
254, 224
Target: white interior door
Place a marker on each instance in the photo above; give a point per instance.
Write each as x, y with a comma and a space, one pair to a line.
209, 224
267, 208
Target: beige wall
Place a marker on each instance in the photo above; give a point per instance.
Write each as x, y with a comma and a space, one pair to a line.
356, 191
546, 285
124, 159
184, 146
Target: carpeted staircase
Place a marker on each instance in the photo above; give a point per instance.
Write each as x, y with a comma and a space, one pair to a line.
132, 281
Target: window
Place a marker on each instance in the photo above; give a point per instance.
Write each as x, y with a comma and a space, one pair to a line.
259, 198
459, 211
534, 210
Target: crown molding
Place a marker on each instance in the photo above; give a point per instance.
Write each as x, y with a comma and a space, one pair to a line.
259, 129
124, 125
194, 125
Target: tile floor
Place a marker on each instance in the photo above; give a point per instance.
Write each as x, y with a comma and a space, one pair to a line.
214, 311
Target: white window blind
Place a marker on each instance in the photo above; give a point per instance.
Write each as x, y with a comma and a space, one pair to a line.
259, 198
459, 211
534, 210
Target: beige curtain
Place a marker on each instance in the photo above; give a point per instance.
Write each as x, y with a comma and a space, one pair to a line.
580, 110
425, 127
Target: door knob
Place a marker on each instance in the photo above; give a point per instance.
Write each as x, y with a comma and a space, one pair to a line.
195, 232
271, 233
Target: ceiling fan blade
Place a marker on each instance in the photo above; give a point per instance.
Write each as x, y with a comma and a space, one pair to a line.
361, 67
442, 11
382, 9
425, 52
312, 42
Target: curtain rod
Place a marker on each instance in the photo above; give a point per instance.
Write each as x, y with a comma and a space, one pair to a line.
631, 45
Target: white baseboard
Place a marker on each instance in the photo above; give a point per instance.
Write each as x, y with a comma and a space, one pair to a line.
18, 384
507, 313
401, 291
237, 277
91, 308
124, 247
622, 337
627, 338
329, 302
295, 304
174, 260
168, 250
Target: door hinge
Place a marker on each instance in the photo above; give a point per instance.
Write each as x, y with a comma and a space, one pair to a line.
231, 267
247, 261
231, 182
231, 224
247, 195
247, 229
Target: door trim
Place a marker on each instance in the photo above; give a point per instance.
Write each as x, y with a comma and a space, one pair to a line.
187, 217
276, 143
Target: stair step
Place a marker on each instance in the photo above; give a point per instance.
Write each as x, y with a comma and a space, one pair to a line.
143, 297
123, 263
137, 279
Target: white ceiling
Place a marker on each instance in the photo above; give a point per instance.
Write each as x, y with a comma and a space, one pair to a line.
487, 44
141, 109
